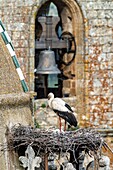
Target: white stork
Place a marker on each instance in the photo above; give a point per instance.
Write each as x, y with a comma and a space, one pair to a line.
62, 109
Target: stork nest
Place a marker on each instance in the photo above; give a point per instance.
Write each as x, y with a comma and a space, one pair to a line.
52, 141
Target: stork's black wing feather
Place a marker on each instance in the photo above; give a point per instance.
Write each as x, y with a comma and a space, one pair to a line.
69, 117
66, 105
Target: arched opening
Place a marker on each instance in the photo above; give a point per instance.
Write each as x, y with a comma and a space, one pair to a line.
74, 86
54, 32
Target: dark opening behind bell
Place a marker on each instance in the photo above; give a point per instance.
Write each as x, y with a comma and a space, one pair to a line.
47, 64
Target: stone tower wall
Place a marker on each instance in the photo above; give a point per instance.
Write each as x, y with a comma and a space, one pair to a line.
18, 18
96, 85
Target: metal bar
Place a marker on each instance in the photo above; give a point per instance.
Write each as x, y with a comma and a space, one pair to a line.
54, 44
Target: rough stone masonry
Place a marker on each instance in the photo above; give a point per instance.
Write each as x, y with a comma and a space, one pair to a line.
18, 17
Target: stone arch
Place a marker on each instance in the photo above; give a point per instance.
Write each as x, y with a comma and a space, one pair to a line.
78, 32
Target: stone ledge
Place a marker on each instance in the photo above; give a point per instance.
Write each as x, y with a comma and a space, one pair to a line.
14, 99
66, 99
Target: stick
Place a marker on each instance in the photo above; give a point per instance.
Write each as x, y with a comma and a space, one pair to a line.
46, 161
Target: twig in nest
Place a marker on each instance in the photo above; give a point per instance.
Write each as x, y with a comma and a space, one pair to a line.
83, 139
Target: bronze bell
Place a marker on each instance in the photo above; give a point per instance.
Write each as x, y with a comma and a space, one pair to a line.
47, 64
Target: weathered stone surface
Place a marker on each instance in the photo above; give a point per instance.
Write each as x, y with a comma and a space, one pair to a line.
93, 66
14, 106
9, 80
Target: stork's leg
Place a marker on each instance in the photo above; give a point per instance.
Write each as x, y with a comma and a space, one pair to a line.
60, 123
65, 126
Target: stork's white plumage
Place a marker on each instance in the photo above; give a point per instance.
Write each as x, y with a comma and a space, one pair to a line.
62, 109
